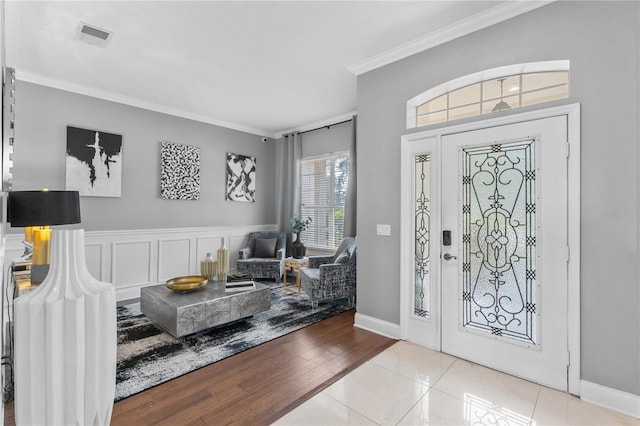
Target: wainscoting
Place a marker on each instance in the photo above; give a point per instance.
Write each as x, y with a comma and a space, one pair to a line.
133, 259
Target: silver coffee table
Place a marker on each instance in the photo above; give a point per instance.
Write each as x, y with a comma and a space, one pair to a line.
183, 313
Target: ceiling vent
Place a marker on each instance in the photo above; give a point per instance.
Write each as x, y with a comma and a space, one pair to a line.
93, 35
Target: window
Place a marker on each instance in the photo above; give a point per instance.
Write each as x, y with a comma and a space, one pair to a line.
493, 90
324, 188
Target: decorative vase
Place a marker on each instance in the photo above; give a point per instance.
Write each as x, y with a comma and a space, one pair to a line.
298, 250
223, 261
65, 342
208, 267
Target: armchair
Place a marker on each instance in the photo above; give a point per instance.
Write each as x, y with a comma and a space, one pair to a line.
264, 255
331, 277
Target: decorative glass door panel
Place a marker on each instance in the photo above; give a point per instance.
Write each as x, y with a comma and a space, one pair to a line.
420, 274
421, 292
499, 239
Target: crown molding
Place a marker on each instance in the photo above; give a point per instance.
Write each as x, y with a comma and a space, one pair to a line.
479, 21
138, 103
327, 122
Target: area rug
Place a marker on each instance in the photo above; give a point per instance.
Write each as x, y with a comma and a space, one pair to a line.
148, 356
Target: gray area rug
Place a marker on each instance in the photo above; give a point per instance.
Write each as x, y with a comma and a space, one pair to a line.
148, 356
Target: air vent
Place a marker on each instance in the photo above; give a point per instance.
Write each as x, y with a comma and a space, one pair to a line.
93, 35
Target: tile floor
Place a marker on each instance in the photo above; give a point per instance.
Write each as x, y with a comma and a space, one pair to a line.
411, 385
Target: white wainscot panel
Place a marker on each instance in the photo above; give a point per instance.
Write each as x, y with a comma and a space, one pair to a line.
204, 245
236, 243
93, 255
173, 258
131, 263
132, 259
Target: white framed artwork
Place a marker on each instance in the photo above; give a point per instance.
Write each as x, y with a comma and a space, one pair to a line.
179, 172
93, 163
241, 178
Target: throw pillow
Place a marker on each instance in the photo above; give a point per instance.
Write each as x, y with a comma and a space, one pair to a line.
265, 247
343, 258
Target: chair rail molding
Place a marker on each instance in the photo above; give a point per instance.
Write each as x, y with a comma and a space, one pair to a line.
132, 259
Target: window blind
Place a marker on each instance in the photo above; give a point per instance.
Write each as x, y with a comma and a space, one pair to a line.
324, 182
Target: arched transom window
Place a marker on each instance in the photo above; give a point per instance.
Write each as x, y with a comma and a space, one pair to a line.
497, 89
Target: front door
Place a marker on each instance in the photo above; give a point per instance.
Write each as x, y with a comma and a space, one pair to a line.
489, 233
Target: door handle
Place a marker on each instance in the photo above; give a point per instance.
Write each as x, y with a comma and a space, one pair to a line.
447, 256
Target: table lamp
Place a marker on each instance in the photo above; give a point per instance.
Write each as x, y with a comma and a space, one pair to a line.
64, 329
37, 210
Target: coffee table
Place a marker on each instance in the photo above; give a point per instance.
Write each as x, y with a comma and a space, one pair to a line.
183, 313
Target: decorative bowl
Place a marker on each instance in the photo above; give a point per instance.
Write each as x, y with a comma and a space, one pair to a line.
189, 282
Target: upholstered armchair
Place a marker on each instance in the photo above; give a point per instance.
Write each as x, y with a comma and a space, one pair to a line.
331, 277
264, 255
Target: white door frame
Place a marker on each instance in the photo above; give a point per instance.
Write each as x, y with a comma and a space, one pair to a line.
572, 112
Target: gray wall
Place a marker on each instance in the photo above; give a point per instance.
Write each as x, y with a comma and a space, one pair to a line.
42, 115
326, 141
601, 39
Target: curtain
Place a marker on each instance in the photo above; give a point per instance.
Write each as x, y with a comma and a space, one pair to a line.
288, 181
351, 201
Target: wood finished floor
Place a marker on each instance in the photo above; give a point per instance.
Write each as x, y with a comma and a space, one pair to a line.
255, 387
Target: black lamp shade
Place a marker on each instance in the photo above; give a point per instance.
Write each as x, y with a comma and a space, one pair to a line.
43, 208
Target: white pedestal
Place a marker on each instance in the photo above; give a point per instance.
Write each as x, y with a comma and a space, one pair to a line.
65, 343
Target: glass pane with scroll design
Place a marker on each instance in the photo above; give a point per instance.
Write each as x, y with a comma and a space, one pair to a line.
422, 235
499, 239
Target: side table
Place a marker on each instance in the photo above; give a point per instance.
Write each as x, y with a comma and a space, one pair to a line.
22, 284
293, 264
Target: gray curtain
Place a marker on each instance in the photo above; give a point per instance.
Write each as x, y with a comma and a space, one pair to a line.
351, 201
288, 182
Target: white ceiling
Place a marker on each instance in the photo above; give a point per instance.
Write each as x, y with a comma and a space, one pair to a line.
262, 66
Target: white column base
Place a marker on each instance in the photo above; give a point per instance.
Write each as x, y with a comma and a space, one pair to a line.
65, 343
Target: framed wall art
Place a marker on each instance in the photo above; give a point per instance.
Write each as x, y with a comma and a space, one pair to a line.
241, 178
93, 162
179, 172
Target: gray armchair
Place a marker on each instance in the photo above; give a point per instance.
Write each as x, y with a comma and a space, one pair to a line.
264, 255
331, 277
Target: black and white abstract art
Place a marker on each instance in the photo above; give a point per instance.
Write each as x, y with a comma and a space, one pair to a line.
241, 178
180, 172
94, 163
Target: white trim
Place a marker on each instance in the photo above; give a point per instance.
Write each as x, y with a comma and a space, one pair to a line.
378, 326
477, 77
406, 228
573, 266
572, 111
138, 103
431, 336
231, 230
613, 399
569, 110
326, 122
479, 21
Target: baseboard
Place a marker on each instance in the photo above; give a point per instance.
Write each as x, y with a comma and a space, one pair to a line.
378, 326
128, 293
622, 402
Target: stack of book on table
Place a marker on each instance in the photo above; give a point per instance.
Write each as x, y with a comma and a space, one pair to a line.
239, 282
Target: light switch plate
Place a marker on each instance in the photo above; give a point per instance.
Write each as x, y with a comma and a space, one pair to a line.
383, 230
